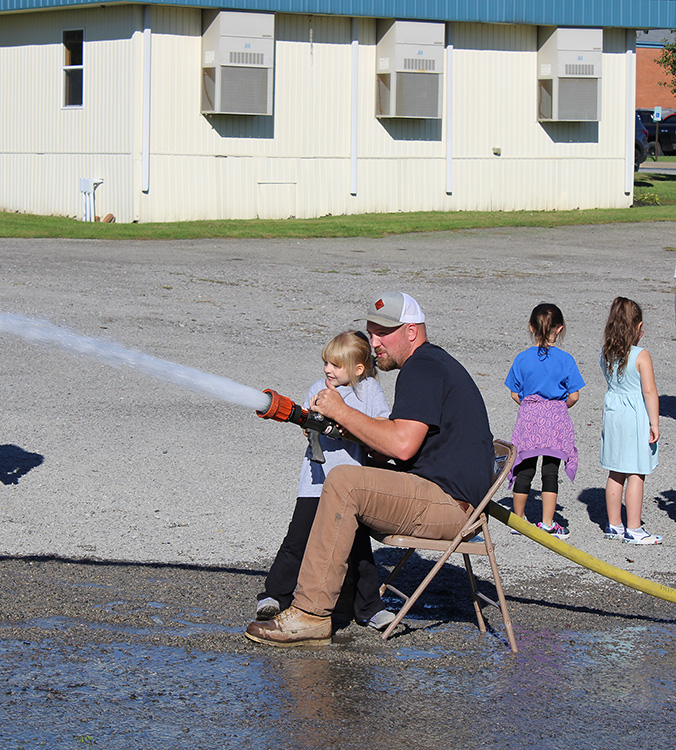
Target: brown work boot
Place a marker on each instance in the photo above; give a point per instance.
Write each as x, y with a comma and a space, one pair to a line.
292, 627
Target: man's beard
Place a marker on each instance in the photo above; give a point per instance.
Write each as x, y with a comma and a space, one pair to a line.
386, 363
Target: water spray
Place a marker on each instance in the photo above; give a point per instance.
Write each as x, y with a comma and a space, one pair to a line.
267, 404
42, 332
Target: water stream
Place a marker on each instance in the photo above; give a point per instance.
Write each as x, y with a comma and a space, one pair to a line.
47, 334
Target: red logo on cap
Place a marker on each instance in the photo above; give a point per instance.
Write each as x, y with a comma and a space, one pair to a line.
379, 304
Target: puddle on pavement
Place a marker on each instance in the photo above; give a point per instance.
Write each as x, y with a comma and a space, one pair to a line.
564, 689
174, 627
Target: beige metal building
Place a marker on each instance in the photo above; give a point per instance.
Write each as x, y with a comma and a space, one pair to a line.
309, 115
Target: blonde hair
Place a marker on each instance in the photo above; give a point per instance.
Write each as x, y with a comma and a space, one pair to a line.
350, 349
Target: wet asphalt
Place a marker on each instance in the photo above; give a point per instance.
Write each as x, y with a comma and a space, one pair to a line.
122, 656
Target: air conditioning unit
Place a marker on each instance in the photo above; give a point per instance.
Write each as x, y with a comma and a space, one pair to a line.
569, 74
238, 52
410, 65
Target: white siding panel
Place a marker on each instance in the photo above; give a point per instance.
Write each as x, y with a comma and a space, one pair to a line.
49, 184
310, 124
323, 188
296, 162
561, 184
393, 185
45, 148
206, 187
177, 127
38, 122
276, 200
551, 165
312, 86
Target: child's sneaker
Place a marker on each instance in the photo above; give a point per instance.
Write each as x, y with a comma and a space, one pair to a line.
267, 608
640, 536
381, 619
560, 532
613, 532
514, 531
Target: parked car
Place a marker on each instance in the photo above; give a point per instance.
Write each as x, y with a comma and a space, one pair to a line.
666, 129
645, 116
640, 143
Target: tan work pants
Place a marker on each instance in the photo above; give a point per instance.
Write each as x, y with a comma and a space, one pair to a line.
388, 501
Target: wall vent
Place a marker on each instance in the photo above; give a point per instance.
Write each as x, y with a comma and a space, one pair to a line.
416, 63
247, 58
410, 61
237, 62
580, 70
569, 74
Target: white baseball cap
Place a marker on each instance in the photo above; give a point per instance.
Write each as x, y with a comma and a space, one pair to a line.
393, 309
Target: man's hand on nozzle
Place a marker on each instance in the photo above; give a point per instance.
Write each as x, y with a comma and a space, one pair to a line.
329, 403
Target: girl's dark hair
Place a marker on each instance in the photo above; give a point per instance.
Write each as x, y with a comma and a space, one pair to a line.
544, 319
620, 333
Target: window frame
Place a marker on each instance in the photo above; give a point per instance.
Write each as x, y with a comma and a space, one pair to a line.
66, 69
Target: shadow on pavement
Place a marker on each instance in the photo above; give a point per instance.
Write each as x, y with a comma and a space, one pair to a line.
15, 462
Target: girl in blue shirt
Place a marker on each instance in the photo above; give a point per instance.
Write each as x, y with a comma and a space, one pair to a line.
545, 381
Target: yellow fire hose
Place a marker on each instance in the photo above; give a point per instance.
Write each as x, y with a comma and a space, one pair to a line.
577, 556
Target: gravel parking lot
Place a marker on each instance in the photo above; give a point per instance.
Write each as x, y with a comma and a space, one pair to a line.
120, 491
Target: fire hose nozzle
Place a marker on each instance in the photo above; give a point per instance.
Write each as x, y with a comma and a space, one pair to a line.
281, 408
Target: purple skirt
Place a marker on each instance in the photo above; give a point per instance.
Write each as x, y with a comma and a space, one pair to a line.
544, 428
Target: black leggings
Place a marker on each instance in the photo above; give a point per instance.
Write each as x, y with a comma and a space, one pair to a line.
525, 472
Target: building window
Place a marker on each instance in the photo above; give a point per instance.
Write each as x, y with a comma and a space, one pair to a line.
73, 68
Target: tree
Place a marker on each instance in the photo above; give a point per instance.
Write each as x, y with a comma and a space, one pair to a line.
668, 61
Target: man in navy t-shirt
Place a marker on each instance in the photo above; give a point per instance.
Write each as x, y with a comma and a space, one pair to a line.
439, 437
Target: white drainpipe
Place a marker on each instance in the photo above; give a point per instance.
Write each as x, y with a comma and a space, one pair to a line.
354, 124
87, 187
449, 109
145, 135
630, 111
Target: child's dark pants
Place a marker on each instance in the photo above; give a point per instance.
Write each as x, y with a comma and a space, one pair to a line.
362, 573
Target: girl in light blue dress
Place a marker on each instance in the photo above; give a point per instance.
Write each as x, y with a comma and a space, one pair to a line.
630, 421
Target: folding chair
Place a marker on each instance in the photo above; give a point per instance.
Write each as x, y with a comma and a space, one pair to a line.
477, 524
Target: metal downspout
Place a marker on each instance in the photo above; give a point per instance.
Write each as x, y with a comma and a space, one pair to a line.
630, 114
449, 108
145, 132
354, 115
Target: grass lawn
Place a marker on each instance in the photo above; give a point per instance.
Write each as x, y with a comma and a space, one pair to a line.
655, 189
654, 200
660, 160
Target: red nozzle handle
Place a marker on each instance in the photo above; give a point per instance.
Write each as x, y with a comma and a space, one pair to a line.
280, 408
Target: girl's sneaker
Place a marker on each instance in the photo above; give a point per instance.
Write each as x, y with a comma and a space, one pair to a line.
560, 532
640, 536
613, 532
267, 608
381, 619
